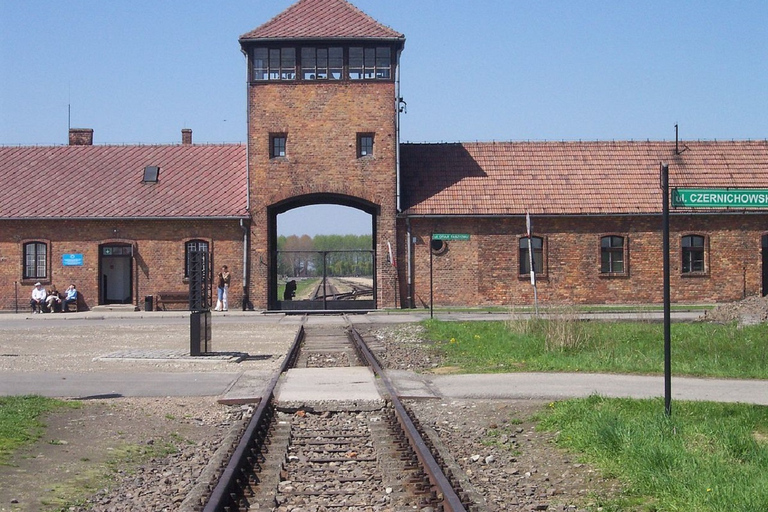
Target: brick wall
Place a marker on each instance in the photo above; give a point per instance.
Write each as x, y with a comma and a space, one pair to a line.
321, 122
157, 264
485, 269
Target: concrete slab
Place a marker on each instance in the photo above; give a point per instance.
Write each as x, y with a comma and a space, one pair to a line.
110, 385
411, 385
351, 388
248, 388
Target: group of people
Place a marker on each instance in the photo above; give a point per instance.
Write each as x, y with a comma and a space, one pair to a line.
50, 301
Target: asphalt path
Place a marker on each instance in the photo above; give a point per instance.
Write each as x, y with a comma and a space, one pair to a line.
150, 377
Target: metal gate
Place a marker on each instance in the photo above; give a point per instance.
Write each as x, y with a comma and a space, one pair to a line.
325, 280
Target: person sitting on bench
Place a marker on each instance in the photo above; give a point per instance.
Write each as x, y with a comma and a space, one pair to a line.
70, 298
37, 302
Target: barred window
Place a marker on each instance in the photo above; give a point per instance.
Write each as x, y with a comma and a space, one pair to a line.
538, 255
190, 246
35, 260
612, 255
693, 254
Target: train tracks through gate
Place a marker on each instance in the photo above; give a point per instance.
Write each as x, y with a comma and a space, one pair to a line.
334, 455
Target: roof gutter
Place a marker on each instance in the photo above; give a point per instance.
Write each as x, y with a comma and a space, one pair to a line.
239, 217
561, 215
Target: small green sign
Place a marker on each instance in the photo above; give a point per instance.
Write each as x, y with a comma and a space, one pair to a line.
719, 198
450, 236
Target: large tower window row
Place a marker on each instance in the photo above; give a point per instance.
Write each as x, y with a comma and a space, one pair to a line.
310, 63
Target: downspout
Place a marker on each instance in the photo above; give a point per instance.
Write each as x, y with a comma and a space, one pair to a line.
397, 132
247, 228
246, 231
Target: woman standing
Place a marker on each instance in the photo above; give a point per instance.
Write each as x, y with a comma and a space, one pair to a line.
222, 304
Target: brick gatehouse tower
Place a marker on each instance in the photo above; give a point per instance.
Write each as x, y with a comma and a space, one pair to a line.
323, 107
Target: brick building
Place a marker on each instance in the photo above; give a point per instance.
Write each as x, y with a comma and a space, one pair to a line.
324, 111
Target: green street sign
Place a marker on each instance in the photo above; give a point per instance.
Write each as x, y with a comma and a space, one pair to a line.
450, 236
719, 198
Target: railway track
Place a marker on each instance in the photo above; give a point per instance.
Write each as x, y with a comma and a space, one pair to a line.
336, 288
329, 457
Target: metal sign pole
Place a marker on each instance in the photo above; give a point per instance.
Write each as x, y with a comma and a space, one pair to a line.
431, 289
667, 332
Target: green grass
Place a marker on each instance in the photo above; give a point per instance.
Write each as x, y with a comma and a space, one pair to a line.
706, 457
568, 345
20, 423
302, 285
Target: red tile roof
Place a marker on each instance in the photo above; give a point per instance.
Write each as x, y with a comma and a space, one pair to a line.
195, 181
568, 178
322, 19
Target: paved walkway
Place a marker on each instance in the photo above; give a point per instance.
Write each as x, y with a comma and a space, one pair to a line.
229, 381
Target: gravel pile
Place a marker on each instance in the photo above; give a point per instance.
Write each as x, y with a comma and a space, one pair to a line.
751, 310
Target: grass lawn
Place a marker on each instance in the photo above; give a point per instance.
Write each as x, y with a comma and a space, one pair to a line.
566, 345
706, 457
20, 423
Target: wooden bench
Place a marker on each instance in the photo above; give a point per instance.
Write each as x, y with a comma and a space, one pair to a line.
164, 298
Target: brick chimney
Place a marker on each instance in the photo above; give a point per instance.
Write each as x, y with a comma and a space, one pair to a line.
186, 136
81, 136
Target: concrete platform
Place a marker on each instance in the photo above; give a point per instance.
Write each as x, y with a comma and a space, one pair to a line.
349, 388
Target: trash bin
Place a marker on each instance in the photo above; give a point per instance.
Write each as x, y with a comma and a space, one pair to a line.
148, 303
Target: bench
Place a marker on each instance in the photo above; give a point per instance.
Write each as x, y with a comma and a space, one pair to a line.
164, 298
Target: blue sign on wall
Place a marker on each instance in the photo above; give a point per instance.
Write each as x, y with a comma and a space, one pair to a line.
72, 260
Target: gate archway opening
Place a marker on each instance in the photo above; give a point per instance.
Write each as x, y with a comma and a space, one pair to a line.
322, 254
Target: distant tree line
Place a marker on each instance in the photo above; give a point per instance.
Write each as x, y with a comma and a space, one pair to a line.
343, 255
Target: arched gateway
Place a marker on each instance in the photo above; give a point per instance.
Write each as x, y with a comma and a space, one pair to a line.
323, 97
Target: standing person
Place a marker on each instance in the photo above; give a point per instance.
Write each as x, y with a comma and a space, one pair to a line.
70, 298
37, 302
222, 304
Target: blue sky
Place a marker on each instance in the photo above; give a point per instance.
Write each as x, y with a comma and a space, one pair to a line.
139, 71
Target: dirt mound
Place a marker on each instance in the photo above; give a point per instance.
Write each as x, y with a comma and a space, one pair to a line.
751, 310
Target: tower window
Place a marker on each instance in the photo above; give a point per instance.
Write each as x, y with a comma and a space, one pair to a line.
285, 63
322, 63
370, 63
277, 144
364, 144
274, 63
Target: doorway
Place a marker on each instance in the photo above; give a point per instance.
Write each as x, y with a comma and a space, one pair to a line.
329, 261
764, 251
116, 274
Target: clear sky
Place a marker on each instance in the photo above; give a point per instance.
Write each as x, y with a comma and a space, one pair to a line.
138, 71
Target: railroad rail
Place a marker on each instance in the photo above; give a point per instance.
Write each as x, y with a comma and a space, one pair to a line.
328, 459
327, 289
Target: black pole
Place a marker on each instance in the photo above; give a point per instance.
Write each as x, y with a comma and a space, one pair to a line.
667, 333
431, 290
16, 294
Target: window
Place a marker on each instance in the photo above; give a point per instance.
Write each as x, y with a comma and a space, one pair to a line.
538, 255
274, 63
364, 144
35, 260
693, 254
438, 246
277, 145
322, 63
370, 63
193, 245
612, 255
